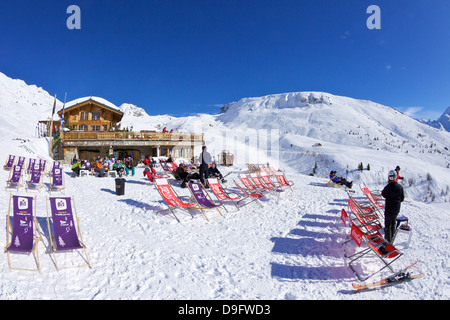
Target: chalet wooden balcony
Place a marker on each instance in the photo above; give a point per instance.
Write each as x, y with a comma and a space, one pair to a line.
133, 136
121, 138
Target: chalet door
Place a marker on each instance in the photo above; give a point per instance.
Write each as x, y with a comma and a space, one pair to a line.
89, 155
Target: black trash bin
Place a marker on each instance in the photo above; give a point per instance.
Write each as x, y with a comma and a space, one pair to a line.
120, 186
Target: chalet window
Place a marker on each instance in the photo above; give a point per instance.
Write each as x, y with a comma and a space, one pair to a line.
105, 128
82, 116
97, 128
92, 128
75, 128
95, 115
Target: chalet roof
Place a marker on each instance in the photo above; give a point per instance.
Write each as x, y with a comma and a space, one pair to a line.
98, 100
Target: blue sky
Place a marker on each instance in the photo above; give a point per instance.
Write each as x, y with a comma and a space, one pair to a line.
182, 57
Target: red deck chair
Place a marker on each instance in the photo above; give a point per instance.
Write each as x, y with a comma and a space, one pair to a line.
282, 180
254, 194
375, 200
171, 198
368, 221
374, 244
269, 182
220, 193
258, 183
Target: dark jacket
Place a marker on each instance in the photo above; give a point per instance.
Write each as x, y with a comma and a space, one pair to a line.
394, 195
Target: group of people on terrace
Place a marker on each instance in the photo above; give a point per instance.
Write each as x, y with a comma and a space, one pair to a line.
104, 164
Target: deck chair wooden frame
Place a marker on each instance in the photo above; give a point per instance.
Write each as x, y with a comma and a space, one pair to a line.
374, 242
25, 221
71, 221
171, 198
16, 170
197, 190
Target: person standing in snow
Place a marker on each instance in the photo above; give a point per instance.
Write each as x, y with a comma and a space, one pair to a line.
205, 159
394, 195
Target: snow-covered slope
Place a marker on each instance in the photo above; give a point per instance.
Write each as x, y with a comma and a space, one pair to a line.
286, 129
22, 106
350, 132
292, 247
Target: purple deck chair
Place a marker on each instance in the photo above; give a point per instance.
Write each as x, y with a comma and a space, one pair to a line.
66, 230
35, 181
202, 198
31, 163
23, 231
57, 182
21, 161
9, 163
15, 178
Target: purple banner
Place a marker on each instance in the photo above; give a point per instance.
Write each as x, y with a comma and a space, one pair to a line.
64, 228
22, 235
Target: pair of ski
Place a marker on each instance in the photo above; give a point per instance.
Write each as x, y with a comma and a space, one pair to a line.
397, 278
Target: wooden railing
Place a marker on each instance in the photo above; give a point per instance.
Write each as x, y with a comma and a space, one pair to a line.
121, 135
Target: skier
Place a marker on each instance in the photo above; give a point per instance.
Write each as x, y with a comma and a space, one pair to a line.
394, 195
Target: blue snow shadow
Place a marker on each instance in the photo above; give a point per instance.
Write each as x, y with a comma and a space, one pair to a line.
319, 235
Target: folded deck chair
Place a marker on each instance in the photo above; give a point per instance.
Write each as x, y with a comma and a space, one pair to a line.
282, 180
35, 181
15, 179
202, 198
367, 220
376, 201
57, 181
64, 231
220, 193
9, 162
23, 230
171, 199
375, 243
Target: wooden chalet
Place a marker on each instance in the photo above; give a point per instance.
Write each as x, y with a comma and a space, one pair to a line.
93, 131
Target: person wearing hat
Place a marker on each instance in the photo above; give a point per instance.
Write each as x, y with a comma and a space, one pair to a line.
397, 169
394, 195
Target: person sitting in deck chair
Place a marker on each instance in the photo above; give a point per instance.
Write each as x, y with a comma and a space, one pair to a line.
119, 167
99, 168
183, 174
76, 168
215, 173
339, 180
